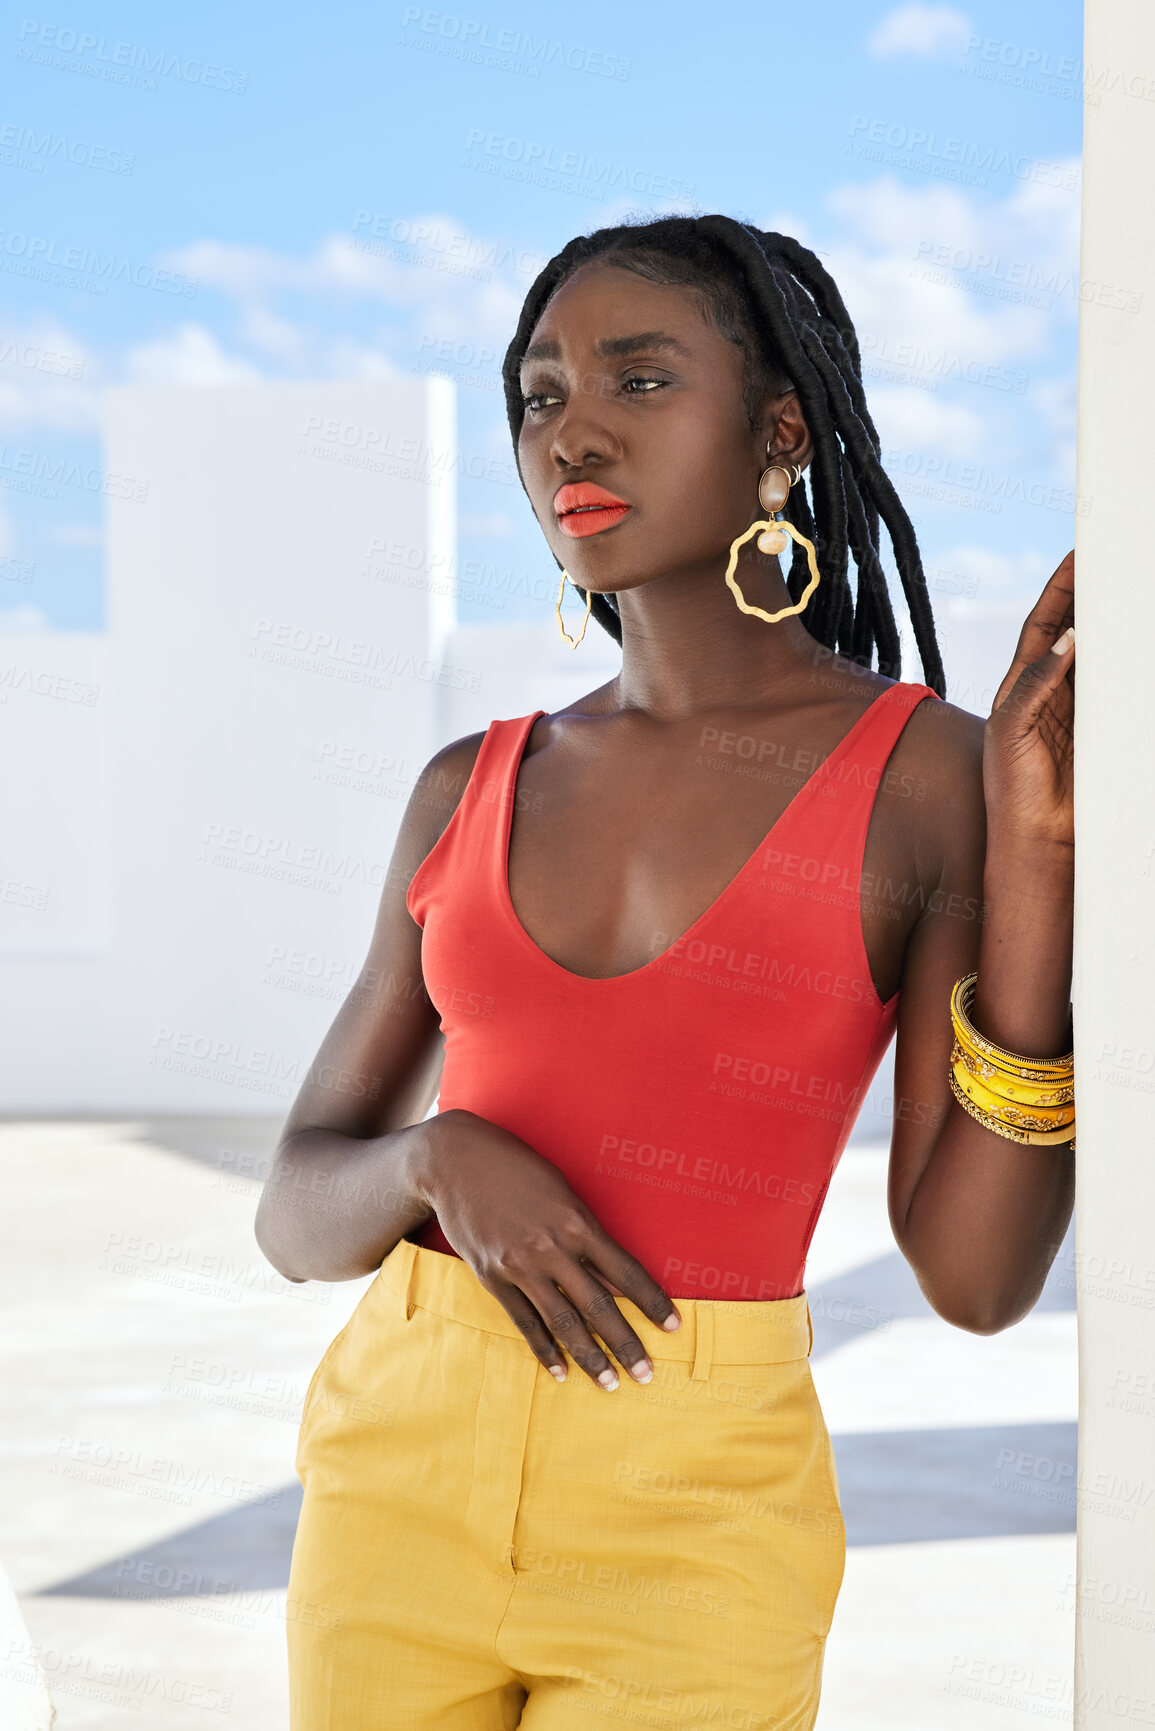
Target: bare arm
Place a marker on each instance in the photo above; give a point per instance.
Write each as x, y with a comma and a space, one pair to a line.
343, 1189
979, 1217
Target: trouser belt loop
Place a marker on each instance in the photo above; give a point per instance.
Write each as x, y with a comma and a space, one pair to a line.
703, 1340
406, 1261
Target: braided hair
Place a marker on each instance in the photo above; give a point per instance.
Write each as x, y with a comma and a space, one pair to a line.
773, 298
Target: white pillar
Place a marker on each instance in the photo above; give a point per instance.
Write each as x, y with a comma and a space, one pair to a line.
1114, 987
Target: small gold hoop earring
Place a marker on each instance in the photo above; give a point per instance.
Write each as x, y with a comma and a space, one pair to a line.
773, 492
572, 641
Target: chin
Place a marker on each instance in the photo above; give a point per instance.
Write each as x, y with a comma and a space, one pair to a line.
604, 585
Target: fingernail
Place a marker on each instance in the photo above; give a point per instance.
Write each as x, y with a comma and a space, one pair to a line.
608, 1379
672, 1322
1061, 644
556, 1371
643, 1371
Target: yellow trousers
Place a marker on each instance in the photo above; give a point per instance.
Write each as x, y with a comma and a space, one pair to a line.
482, 1547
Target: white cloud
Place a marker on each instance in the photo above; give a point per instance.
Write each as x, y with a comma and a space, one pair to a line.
351, 360
909, 419
926, 32
435, 280
963, 575
937, 265
190, 355
47, 379
1055, 402
429, 258
279, 337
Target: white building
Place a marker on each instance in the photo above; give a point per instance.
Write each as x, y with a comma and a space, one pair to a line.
195, 885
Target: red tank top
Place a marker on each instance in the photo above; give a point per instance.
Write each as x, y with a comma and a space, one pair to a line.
700, 1104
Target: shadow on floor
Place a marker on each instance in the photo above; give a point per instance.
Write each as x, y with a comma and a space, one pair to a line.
239, 1147
897, 1487
878, 1293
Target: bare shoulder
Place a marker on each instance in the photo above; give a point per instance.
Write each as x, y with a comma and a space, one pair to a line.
943, 745
940, 755
940, 743
438, 789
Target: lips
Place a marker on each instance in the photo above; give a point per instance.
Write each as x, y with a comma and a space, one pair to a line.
584, 509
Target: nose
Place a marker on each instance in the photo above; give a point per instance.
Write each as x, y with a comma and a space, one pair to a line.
581, 437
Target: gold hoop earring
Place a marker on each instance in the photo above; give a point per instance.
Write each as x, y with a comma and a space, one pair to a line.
773, 492
572, 641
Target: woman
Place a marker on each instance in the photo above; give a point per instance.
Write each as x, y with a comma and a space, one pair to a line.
667, 935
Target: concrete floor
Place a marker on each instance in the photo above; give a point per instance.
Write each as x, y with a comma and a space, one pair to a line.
155, 1368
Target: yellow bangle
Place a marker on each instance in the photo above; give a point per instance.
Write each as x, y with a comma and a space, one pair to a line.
1028, 1069
1024, 1114
1051, 1093
1024, 1099
1011, 1131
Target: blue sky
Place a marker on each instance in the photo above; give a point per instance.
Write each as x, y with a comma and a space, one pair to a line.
227, 193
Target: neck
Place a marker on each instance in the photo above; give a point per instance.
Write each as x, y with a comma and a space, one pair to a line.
688, 648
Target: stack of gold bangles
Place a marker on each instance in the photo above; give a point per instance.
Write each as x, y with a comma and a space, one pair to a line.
1026, 1099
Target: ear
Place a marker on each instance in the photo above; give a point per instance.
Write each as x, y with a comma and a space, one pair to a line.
783, 428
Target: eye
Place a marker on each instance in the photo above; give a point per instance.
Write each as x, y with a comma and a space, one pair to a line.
646, 384
532, 401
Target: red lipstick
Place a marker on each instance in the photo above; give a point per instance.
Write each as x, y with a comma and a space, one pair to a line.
584, 509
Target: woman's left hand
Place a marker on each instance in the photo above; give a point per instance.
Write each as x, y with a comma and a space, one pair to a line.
1028, 747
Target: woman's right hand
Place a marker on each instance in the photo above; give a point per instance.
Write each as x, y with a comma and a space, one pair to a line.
533, 1244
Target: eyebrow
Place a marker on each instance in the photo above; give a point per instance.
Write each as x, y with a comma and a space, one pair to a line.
613, 348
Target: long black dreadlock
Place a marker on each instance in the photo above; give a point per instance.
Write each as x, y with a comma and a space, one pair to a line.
773, 298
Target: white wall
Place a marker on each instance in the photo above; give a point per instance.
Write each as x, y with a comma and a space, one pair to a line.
54, 803
1115, 883
527, 665
211, 888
